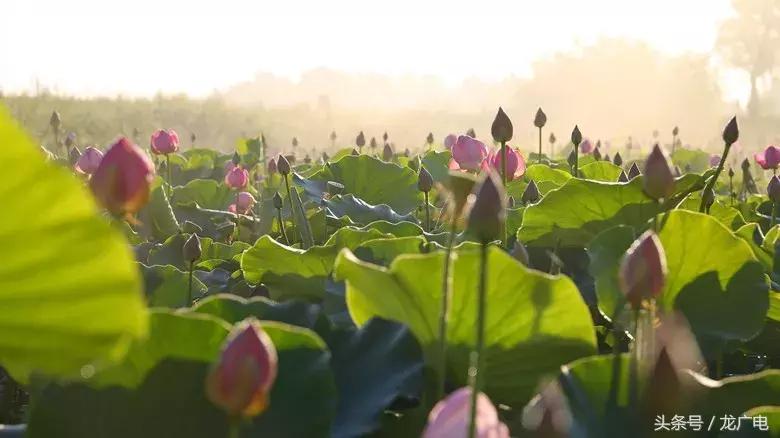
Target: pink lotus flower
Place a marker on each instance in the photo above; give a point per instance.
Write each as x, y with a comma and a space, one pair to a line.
769, 158
449, 141
515, 163
586, 146
469, 152
240, 382
245, 202
450, 417
714, 160
228, 166
122, 180
237, 178
89, 160
165, 142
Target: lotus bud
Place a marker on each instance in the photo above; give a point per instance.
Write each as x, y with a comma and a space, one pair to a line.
385, 137
552, 138
424, 180
335, 188
191, 228
731, 172
773, 189
617, 160
531, 193
540, 119
745, 165
192, 138
586, 146
429, 138
283, 165
272, 166
387, 152
460, 184
372, 144
325, 157
607, 159
245, 201
659, 180
708, 196
449, 141
236, 159
502, 127
354, 152
407, 152
520, 253
633, 171
510, 202
576, 136
623, 178
488, 213
55, 121
675, 131
333, 136
191, 249
295, 142
278, 204
360, 140
237, 178
164, 142
122, 181
571, 158
596, 154
73, 156
450, 417
240, 382
89, 161
70, 139
642, 272
470, 132
731, 132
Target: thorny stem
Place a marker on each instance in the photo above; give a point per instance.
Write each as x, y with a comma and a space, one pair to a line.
476, 369
445, 303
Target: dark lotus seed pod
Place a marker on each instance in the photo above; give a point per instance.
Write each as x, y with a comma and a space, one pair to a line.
552, 138
429, 138
597, 154
731, 131
283, 165
540, 119
73, 156
502, 127
470, 132
617, 160
488, 213
675, 131
623, 178
773, 189
236, 159
531, 193
576, 136
191, 228
520, 253
731, 172
387, 152
360, 140
278, 204
708, 196
633, 171
191, 249
570, 159
424, 180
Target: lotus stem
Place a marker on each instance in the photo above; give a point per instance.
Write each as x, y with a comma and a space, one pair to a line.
774, 214
540, 145
477, 358
281, 226
168, 173
427, 214
289, 199
446, 286
711, 183
189, 286
633, 376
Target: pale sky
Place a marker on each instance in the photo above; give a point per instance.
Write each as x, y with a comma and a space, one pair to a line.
140, 47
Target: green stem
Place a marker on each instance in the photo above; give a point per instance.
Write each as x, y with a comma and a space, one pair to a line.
189, 286
289, 199
711, 183
503, 180
540, 145
633, 377
731, 189
576, 161
477, 358
238, 219
446, 286
427, 214
774, 213
168, 172
281, 226
234, 428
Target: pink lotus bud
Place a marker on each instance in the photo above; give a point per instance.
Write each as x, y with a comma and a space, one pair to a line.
488, 212
769, 158
643, 269
714, 160
469, 152
245, 201
271, 166
659, 180
237, 178
450, 417
89, 160
586, 146
122, 179
241, 380
449, 141
773, 189
515, 163
165, 142
229, 165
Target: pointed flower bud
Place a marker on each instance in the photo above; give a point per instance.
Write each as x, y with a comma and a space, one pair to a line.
642, 272
55, 120
429, 138
769, 158
576, 136
470, 132
570, 159
89, 160
531, 193
675, 131
659, 180
164, 142
236, 159
488, 213
623, 178
333, 136
617, 160
283, 165
354, 152
122, 181
385, 137
372, 144
73, 156
295, 142
191, 249
540, 119
360, 140
449, 141
745, 165
731, 172
469, 153
731, 132
552, 138
424, 180
240, 382
450, 417
773, 189
596, 154
387, 153
633, 171
278, 204
271, 166
607, 159
502, 127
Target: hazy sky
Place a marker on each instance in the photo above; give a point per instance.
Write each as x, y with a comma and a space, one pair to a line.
139, 47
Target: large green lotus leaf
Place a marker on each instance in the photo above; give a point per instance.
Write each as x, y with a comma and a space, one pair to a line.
207, 193
157, 220
543, 172
170, 252
362, 212
774, 306
167, 286
70, 294
233, 309
384, 251
437, 163
728, 216
374, 181
291, 272
574, 214
606, 251
713, 278
698, 161
601, 171
535, 322
751, 234
170, 399
400, 229
515, 188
